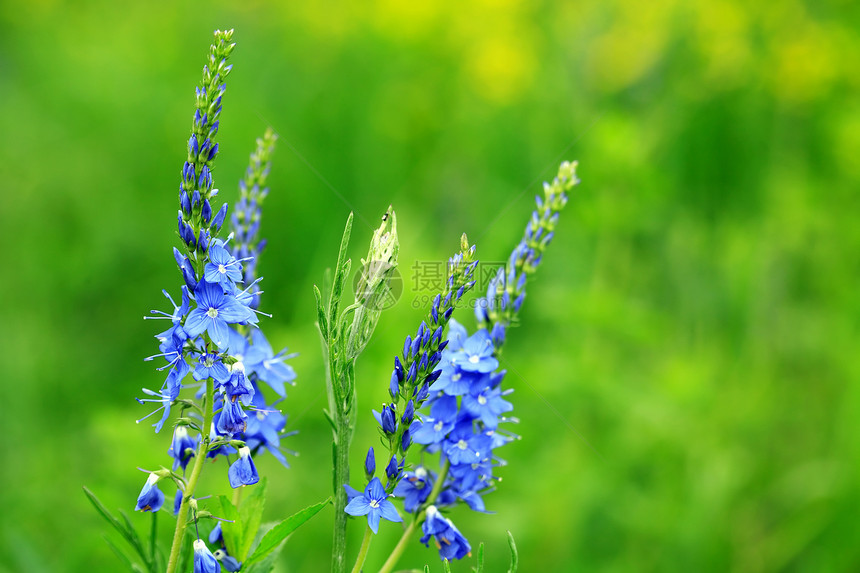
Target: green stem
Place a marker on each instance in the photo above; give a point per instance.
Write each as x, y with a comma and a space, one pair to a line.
191, 484
341, 477
419, 518
401, 545
237, 496
362, 553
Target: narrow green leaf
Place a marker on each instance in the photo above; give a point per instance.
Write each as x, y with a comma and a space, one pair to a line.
108, 516
480, 568
122, 556
514, 556
153, 536
446, 566
337, 283
232, 529
278, 533
321, 319
134, 538
251, 513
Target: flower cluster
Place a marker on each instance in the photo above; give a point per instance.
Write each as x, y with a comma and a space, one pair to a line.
414, 373
467, 403
467, 406
246, 215
213, 334
507, 290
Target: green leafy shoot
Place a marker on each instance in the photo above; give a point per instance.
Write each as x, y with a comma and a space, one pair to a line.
280, 532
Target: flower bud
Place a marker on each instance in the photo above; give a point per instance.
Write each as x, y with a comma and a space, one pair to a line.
389, 426
369, 464
219, 218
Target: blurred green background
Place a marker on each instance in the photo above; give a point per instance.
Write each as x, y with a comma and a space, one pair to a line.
692, 325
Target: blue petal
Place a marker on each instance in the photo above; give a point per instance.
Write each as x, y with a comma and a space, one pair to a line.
358, 506
373, 520
389, 512
196, 322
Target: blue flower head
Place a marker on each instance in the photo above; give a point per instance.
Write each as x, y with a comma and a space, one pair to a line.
222, 268
374, 504
182, 447
415, 488
151, 498
449, 540
209, 365
476, 354
243, 471
238, 387
215, 310
204, 561
227, 562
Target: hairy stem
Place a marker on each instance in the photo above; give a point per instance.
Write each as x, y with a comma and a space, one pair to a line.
341, 477
191, 484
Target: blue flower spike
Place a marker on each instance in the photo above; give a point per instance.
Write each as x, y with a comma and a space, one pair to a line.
374, 504
204, 561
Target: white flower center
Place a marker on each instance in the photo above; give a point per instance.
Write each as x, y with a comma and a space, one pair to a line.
374, 503
462, 444
438, 426
474, 359
212, 312
222, 269
456, 377
482, 400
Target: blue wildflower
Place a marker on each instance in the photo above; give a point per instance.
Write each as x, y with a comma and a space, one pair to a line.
209, 365
268, 366
449, 540
227, 562
231, 418
239, 386
214, 311
374, 504
204, 561
476, 354
415, 487
243, 471
151, 498
182, 447
222, 268
464, 447
488, 405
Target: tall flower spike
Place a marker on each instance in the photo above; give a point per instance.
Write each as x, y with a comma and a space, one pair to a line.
422, 354
195, 188
245, 222
507, 291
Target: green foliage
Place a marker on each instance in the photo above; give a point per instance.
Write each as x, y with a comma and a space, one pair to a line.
515, 558
701, 284
147, 550
277, 534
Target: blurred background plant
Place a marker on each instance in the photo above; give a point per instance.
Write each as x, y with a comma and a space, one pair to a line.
684, 369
